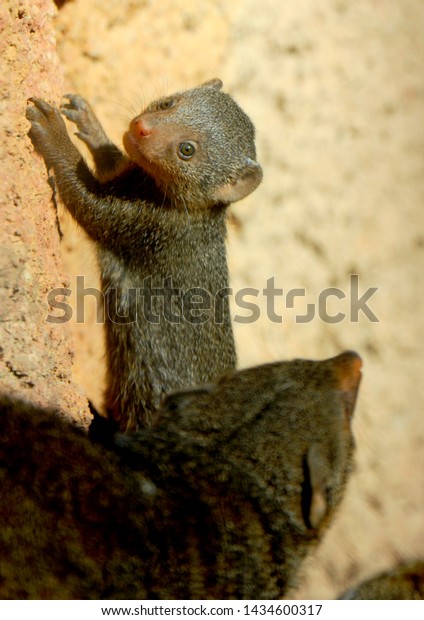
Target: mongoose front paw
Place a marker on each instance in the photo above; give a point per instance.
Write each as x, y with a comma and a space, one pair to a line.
79, 111
48, 132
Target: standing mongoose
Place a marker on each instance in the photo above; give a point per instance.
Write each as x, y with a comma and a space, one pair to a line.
157, 216
404, 582
222, 498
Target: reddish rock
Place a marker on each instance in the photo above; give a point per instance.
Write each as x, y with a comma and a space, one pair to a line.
35, 356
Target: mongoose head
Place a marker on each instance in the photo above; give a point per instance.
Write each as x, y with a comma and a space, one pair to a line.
198, 145
282, 431
286, 428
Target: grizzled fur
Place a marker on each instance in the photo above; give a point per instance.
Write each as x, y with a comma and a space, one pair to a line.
222, 498
158, 220
405, 582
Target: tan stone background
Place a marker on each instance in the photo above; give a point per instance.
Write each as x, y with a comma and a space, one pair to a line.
336, 91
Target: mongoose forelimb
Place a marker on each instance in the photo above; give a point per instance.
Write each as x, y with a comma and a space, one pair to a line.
157, 215
221, 499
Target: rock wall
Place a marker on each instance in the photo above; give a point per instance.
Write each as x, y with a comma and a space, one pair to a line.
35, 356
336, 90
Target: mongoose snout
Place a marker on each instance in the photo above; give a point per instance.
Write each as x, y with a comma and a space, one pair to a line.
138, 128
347, 369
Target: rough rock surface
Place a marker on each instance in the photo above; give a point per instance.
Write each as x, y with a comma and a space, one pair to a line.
336, 91
35, 356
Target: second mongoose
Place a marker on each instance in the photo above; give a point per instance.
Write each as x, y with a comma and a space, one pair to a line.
223, 498
157, 216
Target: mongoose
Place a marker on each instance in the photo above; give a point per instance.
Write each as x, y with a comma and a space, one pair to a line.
405, 582
222, 498
157, 216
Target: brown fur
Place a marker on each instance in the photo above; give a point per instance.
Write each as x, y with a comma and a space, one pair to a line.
405, 582
222, 498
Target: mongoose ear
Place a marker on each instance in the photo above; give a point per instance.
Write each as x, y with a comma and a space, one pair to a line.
247, 179
316, 502
214, 83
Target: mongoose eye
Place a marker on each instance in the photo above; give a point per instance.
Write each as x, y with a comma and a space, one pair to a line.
165, 104
186, 150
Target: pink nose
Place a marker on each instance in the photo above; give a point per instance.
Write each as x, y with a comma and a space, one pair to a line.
139, 128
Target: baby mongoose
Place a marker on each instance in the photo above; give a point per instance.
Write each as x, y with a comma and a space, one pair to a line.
221, 499
157, 216
405, 582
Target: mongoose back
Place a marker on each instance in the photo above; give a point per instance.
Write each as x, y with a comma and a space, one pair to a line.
221, 499
404, 582
157, 216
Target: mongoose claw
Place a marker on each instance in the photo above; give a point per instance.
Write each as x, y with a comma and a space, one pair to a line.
75, 101
76, 106
43, 113
40, 105
48, 132
78, 111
